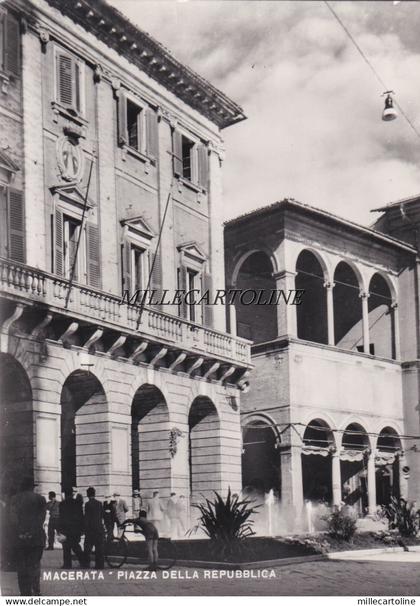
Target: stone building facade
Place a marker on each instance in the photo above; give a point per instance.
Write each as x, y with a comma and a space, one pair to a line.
110, 168
329, 409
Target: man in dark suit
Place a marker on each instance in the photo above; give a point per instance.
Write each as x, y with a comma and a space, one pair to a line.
28, 511
94, 529
71, 525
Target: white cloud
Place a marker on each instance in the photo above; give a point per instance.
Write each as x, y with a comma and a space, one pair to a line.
314, 130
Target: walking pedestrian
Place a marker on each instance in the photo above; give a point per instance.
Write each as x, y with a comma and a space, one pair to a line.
156, 511
171, 512
28, 511
71, 526
53, 510
181, 514
94, 529
109, 516
120, 511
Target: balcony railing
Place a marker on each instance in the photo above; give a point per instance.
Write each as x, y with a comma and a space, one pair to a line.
100, 307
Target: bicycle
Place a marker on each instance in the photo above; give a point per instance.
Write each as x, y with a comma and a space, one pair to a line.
117, 552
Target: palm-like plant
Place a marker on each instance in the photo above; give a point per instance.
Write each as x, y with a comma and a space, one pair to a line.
402, 516
227, 522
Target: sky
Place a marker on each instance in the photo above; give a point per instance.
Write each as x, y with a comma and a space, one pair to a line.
313, 130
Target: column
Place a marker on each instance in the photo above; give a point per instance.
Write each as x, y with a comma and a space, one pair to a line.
33, 145
336, 478
396, 330
330, 312
291, 482
365, 320
108, 206
286, 314
217, 258
371, 482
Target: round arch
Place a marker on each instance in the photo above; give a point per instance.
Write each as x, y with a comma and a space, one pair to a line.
244, 256
150, 455
255, 321
16, 425
261, 468
387, 465
311, 314
83, 401
204, 448
381, 317
354, 454
318, 439
348, 324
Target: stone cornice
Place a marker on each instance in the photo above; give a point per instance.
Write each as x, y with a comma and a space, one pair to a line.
116, 31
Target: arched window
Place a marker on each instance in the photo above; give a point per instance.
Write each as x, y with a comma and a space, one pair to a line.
316, 462
312, 322
348, 326
381, 318
256, 322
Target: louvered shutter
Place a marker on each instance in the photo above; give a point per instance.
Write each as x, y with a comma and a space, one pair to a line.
203, 166
207, 311
182, 285
58, 242
16, 225
122, 119
156, 277
65, 79
126, 265
12, 48
177, 151
92, 249
151, 133
3, 222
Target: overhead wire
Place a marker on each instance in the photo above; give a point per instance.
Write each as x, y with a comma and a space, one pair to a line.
371, 66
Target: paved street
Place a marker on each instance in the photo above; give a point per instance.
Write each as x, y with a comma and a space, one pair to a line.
391, 574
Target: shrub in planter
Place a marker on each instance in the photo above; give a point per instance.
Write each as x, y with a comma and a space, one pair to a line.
341, 523
402, 516
227, 523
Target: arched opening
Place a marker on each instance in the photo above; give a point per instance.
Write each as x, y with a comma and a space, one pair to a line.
150, 456
387, 466
261, 469
256, 322
82, 402
204, 448
348, 326
381, 318
16, 425
312, 321
353, 463
317, 462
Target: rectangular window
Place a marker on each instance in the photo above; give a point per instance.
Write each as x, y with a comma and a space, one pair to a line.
69, 81
71, 232
188, 157
12, 224
134, 125
137, 268
192, 284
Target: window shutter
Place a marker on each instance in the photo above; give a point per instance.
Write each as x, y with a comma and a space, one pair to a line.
122, 119
16, 225
182, 285
65, 79
3, 222
156, 277
207, 309
126, 265
203, 166
92, 247
177, 151
151, 133
12, 49
58, 241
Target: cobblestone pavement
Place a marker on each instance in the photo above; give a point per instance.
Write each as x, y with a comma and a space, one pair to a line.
392, 577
